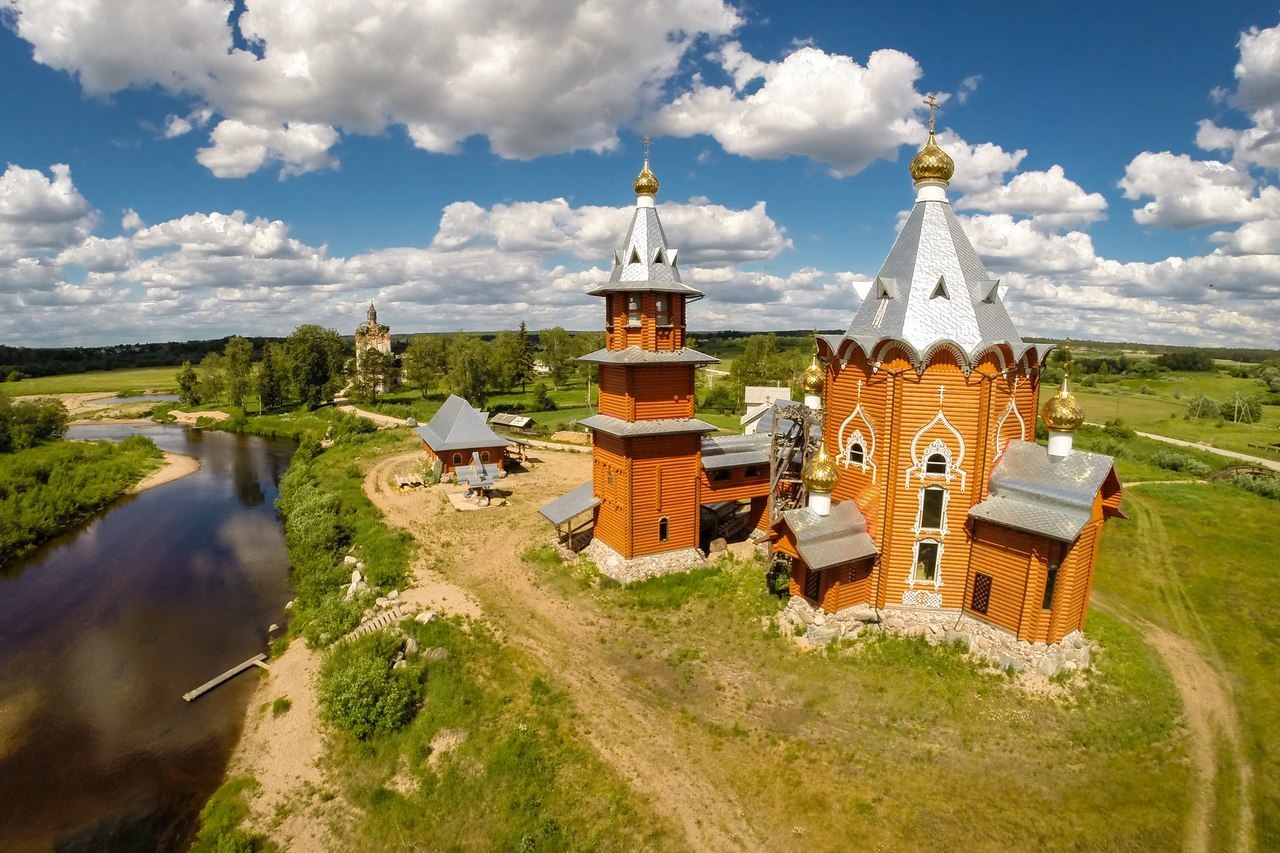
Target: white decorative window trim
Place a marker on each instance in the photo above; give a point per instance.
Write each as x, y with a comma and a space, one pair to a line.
867, 441
941, 529
1012, 409
937, 446
921, 598
936, 583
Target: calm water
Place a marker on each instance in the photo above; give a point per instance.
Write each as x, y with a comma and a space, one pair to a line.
142, 398
103, 629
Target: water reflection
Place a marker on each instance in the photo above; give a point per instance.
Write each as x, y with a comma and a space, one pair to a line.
104, 628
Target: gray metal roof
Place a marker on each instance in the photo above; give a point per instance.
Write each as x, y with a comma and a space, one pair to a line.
457, 426
628, 429
505, 419
570, 504
932, 288
836, 539
634, 355
1032, 493
643, 261
731, 451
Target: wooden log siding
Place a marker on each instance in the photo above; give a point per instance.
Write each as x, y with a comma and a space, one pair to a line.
663, 392
1008, 556
447, 465
614, 399
737, 486
611, 483
665, 482
648, 335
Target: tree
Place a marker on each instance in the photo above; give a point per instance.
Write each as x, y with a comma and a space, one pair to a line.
761, 363
27, 423
469, 370
1202, 408
237, 357
315, 356
271, 377
1192, 359
188, 385
213, 382
505, 354
1242, 410
542, 401
558, 353
374, 374
426, 361
524, 358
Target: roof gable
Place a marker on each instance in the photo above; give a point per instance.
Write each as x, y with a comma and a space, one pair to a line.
458, 426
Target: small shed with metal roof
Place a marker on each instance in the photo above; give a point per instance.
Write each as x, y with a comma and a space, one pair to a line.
457, 433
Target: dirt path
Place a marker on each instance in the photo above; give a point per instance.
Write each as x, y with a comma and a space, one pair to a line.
1198, 445
639, 740
1198, 675
383, 421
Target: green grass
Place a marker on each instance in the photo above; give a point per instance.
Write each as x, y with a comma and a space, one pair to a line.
138, 380
823, 747
46, 489
513, 774
221, 817
1203, 560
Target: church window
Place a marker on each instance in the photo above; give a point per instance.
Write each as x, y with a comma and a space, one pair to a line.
457, 459
926, 567
856, 454
484, 456
936, 464
633, 310
1050, 587
664, 528
663, 311
933, 509
811, 587
981, 599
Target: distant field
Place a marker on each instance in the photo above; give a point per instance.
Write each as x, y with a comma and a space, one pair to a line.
160, 379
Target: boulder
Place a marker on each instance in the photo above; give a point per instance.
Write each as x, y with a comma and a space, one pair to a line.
350, 560
718, 545
819, 635
862, 612
1050, 665
394, 594
356, 577
425, 616
382, 601
410, 646
289, 605
438, 653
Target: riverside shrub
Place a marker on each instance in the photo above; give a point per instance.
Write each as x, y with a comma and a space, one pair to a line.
362, 694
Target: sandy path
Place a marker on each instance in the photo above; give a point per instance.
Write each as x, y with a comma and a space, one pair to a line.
1198, 675
175, 467
640, 741
383, 421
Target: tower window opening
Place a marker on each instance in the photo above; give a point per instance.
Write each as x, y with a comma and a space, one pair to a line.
664, 529
936, 464
663, 311
633, 310
932, 508
1050, 587
857, 455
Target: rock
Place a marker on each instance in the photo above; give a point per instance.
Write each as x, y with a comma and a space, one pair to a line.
916, 630
438, 653
984, 643
1050, 665
895, 622
356, 577
394, 594
350, 560
863, 613
425, 616
819, 635
360, 565
718, 545
350, 593
382, 601
410, 646
497, 501
400, 664
1086, 657
368, 614
820, 618
288, 605
272, 628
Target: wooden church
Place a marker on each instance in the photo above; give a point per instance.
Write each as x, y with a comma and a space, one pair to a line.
920, 490
927, 492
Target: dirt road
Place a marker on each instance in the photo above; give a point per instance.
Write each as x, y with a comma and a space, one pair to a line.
483, 554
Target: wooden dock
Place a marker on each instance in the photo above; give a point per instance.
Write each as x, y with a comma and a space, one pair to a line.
256, 660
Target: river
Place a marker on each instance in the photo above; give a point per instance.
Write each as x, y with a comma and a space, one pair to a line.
104, 628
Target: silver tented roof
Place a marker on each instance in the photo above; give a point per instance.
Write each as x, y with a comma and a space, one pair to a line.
643, 261
832, 540
457, 426
634, 355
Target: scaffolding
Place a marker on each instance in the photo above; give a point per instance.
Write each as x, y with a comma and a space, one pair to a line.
795, 434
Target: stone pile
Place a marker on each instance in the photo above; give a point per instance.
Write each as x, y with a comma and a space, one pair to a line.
983, 640
624, 571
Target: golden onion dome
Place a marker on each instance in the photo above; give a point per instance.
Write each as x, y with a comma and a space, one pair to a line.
814, 378
1062, 412
646, 182
932, 163
820, 472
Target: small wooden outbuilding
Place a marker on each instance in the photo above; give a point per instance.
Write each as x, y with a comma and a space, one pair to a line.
459, 432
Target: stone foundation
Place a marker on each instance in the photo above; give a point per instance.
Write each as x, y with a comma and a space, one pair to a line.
624, 571
983, 639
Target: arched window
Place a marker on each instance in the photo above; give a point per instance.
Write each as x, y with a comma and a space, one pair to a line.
484, 456
857, 455
457, 459
936, 464
663, 529
633, 309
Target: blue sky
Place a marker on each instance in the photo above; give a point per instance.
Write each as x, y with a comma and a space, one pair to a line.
189, 168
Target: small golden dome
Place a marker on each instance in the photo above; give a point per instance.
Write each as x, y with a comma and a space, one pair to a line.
1062, 412
932, 163
814, 378
820, 472
646, 182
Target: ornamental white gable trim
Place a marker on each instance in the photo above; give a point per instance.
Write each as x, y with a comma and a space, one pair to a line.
953, 458
1011, 409
867, 441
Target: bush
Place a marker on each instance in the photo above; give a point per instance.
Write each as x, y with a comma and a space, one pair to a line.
1172, 461
1242, 410
1116, 429
1267, 487
360, 692
1202, 408
542, 401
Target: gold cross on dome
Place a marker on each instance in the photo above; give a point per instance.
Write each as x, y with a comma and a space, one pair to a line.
932, 100
644, 140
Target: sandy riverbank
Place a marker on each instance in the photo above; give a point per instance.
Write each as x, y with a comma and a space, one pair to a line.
175, 467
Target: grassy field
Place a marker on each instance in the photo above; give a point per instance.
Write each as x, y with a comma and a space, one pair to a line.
1203, 561
156, 379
